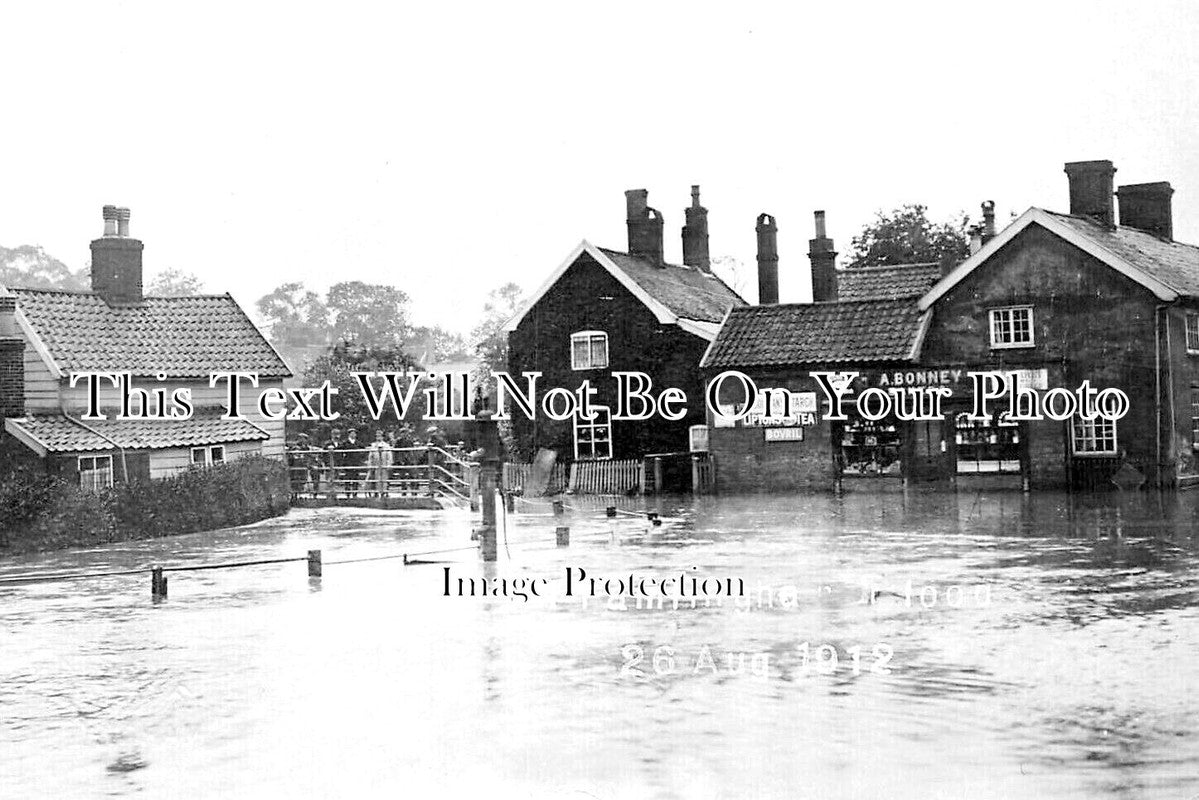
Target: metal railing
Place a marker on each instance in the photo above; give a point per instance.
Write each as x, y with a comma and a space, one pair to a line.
380, 472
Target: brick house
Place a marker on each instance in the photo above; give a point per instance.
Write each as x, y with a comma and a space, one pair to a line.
1060, 298
166, 343
865, 320
1053, 300
604, 310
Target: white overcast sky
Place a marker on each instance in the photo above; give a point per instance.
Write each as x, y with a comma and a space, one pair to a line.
448, 148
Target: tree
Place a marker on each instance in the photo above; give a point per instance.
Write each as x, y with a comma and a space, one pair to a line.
489, 337
430, 344
906, 236
294, 316
731, 271
174, 282
369, 314
31, 267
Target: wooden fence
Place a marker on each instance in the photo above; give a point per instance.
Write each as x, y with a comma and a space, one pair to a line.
516, 476
607, 477
582, 477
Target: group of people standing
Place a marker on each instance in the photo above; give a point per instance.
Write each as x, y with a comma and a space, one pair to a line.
345, 466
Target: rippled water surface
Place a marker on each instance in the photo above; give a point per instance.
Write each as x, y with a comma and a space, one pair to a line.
987, 646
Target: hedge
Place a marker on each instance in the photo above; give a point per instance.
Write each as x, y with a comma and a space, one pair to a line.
39, 512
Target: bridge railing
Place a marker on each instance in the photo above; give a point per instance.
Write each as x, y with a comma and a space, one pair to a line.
381, 471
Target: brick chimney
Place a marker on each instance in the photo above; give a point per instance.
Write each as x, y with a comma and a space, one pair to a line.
824, 263
1147, 207
768, 260
695, 235
117, 261
1091, 195
645, 226
12, 360
987, 232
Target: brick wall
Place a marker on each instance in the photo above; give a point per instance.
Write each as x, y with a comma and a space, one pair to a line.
1090, 323
587, 297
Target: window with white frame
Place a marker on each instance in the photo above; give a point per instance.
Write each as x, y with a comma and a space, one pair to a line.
1012, 327
207, 456
95, 473
1192, 326
593, 437
1093, 437
588, 350
1194, 418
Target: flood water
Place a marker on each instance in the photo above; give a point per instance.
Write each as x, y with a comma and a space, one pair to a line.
987, 645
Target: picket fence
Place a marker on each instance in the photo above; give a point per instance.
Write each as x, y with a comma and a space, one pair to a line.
583, 477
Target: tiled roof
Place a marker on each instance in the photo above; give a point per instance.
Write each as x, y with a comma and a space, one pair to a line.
890, 282
689, 293
182, 337
1173, 263
833, 333
59, 434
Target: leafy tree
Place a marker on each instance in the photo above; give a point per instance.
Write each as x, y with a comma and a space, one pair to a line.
370, 314
174, 282
731, 271
907, 236
294, 316
489, 337
31, 267
337, 366
430, 344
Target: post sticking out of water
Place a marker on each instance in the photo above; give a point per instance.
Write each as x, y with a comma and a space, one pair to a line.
611, 511
314, 563
562, 534
158, 583
510, 500
489, 472
559, 509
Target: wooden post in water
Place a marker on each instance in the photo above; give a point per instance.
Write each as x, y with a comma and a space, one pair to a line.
559, 508
489, 474
158, 583
314, 563
562, 535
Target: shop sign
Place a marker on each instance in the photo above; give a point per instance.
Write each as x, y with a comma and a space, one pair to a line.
1028, 378
784, 434
786, 408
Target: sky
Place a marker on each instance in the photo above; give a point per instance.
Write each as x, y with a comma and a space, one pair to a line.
450, 148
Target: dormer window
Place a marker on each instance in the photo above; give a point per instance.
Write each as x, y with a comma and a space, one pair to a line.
588, 350
1012, 327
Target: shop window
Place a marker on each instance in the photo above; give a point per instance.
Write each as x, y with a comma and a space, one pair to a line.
1093, 437
593, 437
1011, 327
870, 448
1192, 326
95, 473
588, 350
987, 445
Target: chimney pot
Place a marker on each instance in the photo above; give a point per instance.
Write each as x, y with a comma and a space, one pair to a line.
122, 222
1148, 207
695, 234
1091, 194
645, 226
988, 227
768, 260
110, 220
823, 258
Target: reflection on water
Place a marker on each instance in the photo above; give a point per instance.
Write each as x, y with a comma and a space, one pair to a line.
972, 645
